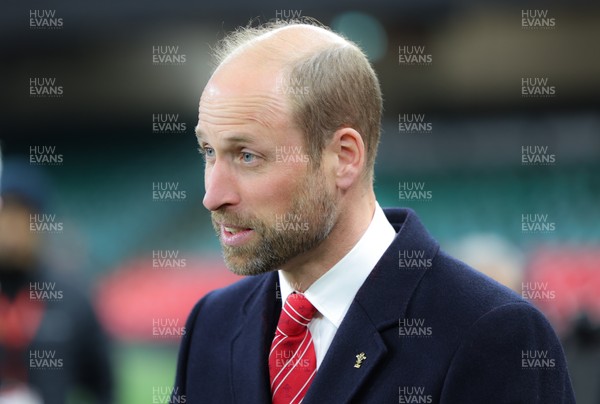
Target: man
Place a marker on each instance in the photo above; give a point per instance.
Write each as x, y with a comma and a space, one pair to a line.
334, 310
52, 347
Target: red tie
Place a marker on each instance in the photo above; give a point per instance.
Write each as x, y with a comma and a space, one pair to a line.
292, 360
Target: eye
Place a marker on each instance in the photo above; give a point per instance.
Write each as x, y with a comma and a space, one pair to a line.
206, 151
248, 157
209, 151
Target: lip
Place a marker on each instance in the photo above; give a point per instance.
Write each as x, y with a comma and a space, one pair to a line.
237, 239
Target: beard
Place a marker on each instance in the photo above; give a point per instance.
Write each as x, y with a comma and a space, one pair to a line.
304, 226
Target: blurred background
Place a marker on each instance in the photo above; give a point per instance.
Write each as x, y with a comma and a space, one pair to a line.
491, 116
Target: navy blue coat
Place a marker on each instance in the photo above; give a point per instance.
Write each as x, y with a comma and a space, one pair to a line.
433, 330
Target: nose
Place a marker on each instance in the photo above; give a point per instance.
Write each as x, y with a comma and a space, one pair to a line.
221, 187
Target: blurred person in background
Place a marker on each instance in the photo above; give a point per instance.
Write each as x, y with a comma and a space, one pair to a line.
52, 348
289, 124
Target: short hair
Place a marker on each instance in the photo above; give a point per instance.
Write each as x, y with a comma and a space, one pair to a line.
343, 89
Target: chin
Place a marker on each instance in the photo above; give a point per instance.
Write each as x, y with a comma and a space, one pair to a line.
245, 267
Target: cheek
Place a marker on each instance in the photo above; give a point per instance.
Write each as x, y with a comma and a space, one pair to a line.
275, 194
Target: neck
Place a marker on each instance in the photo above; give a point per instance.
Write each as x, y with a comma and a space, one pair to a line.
354, 219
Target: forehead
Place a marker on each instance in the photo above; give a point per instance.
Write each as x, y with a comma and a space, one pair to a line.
264, 109
240, 92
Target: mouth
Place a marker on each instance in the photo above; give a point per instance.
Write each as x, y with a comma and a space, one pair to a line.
234, 235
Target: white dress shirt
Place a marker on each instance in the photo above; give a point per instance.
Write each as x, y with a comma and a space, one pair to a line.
333, 293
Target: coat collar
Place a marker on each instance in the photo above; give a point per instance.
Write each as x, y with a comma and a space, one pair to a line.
395, 284
378, 305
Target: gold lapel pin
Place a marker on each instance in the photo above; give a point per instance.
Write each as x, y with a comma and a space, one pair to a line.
359, 359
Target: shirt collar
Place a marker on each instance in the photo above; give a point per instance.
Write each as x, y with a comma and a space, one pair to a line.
333, 293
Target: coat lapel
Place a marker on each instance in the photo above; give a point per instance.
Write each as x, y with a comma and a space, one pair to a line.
250, 347
338, 379
378, 305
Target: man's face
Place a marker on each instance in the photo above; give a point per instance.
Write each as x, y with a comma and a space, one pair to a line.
268, 205
18, 245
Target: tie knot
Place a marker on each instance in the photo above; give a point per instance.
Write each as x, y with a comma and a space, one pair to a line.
296, 314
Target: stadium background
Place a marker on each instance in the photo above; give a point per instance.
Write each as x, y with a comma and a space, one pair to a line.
470, 160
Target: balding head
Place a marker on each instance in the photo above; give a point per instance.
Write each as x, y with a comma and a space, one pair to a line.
325, 80
279, 45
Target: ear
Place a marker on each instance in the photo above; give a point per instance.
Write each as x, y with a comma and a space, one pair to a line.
349, 151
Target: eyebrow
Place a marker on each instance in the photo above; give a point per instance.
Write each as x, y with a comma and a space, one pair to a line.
230, 138
199, 133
